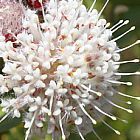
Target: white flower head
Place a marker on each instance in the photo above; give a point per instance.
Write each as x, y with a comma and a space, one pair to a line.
64, 71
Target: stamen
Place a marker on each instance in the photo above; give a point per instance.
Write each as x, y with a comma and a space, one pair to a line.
89, 90
119, 82
129, 96
130, 61
107, 25
101, 111
127, 74
129, 102
28, 131
121, 21
51, 103
96, 134
125, 23
64, 115
74, 18
80, 133
131, 29
61, 127
6, 115
86, 113
116, 131
43, 13
128, 110
92, 6
124, 121
103, 8
126, 102
123, 49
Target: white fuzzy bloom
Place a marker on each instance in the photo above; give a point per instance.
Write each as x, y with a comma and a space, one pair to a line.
64, 70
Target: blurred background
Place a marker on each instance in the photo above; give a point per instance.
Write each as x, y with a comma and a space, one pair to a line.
116, 10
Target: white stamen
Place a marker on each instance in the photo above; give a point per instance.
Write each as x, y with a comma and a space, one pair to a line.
51, 103
43, 13
130, 61
97, 108
61, 127
32, 121
126, 102
119, 82
129, 103
116, 131
127, 74
96, 134
131, 29
89, 90
103, 8
128, 110
5, 116
92, 6
124, 121
129, 96
64, 115
107, 25
125, 23
80, 133
123, 49
121, 21
86, 113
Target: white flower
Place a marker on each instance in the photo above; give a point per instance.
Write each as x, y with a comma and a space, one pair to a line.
63, 70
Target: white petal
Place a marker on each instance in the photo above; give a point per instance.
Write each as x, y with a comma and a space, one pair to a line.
38, 100
49, 92
43, 77
57, 112
25, 87
33, 108
59, 104
70, 60
69, 108
3, 89
16, 77
62, 90
27, 124
17, 90
17, 113
53, 84
36, 73
40, 84
66, 102
45, 110
29, 69
74, 114
28, 77
47, 65
39, 124
78, 121
68, 79
74, 96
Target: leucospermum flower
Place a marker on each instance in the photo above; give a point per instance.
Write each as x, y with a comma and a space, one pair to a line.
64, 72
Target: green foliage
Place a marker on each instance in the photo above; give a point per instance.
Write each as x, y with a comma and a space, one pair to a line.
9, 123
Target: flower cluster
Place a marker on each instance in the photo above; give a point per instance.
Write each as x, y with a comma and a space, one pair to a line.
64, 70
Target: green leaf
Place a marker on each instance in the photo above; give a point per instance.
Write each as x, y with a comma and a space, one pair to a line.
88, 3
9, 123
